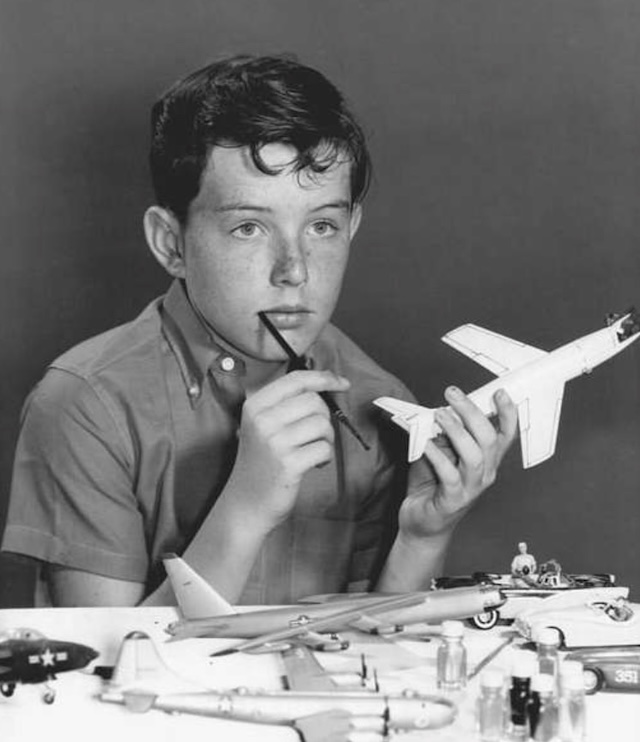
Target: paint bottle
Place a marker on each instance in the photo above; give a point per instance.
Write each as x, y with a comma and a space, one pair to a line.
491, 706
571, 704
452, 657
524, 666
543, 708
548, 643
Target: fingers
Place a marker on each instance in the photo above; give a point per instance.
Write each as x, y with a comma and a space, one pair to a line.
286, 412
472, 436
297, 383
449, 477
507, 418
478, 445
473, 427
465, 468
286, 426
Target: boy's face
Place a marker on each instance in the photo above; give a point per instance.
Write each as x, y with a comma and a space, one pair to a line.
274, 243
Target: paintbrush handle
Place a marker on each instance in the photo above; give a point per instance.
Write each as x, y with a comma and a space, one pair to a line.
299, 363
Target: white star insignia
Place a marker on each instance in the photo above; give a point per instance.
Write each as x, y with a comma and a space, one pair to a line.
48, 658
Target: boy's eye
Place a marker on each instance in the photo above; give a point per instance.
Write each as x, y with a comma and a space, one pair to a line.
248, 229
324, 228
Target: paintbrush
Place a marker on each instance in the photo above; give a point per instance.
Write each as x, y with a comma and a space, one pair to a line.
299, 363
492, 655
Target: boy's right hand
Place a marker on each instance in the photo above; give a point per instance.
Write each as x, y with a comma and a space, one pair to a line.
285, 431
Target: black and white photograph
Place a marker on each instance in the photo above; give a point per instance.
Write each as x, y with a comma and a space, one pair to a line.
320, 411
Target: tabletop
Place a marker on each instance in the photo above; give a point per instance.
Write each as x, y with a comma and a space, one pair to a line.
78, 714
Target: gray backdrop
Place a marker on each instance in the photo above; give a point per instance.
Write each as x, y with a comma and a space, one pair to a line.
505, 136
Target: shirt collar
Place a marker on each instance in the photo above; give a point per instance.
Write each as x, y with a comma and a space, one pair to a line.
197, 348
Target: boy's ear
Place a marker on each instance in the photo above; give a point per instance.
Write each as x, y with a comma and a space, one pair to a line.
356, 217
164, 237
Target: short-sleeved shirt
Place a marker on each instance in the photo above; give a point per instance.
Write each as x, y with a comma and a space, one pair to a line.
130, 437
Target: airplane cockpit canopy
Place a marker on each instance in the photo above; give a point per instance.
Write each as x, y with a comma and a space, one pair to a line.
22, 633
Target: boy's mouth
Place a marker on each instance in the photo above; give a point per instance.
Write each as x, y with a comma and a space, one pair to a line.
288, 317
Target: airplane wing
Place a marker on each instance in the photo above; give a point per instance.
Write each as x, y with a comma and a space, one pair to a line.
418, 421
370, 624
326, 726
497, 353
538, 419
340, 618
398, 407
304, 672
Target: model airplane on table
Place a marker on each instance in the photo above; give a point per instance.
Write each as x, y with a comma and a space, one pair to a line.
27, 656
207, 614
318, 715
533, 378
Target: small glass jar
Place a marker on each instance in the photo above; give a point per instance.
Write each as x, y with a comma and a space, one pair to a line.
571, 705
491, 706
524, 666
548, 643
452, 657
543, 708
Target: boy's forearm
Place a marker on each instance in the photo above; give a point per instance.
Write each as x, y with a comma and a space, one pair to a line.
225, 548
412, 564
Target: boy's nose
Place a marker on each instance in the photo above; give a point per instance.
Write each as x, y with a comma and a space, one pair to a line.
290, 264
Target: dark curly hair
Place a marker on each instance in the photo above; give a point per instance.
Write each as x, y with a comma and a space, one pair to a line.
251, 101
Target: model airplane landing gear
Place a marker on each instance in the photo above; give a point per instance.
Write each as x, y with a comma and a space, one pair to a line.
49, 695
7, 689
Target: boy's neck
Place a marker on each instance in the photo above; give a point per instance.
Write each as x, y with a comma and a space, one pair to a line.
258, 373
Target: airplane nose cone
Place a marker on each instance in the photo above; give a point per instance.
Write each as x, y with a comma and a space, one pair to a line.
87, 655
444, 715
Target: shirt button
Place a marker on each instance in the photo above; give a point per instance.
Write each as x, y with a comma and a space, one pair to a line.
193, 391
227, 363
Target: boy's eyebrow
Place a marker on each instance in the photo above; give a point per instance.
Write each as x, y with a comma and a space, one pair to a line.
343, 204
241, 206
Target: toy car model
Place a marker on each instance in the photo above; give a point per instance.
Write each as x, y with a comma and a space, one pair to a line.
524, 592
592, 622
610, 668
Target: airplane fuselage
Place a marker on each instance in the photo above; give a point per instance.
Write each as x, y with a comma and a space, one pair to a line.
39, 660
435, 606
369, 711
563, 364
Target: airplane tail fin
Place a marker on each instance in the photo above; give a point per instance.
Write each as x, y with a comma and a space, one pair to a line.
140, 675
139, 664
418, 421
196, 597
420, 431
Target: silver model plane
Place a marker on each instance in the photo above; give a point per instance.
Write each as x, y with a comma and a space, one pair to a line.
27, 656
206, 614
142, 681
533, 378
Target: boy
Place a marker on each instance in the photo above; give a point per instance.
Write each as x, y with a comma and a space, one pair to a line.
182, 430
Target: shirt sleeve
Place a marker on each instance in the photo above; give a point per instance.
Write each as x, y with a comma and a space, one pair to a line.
72, 501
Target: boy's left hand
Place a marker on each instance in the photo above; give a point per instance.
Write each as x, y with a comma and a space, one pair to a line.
479, 448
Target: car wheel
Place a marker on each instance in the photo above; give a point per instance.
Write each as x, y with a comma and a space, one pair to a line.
486, 620
593, 680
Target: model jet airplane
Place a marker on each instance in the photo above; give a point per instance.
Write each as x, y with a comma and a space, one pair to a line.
207, 614
533, 378
26, 656
317, 715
